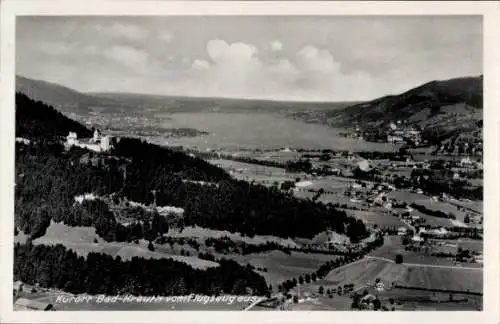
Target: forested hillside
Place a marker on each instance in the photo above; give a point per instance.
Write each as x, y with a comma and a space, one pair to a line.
48, 178
35, 119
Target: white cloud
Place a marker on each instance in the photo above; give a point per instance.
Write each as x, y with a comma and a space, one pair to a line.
166, 37
237, 53
238, 70
127, 56
317, 60
276, 46
200, 65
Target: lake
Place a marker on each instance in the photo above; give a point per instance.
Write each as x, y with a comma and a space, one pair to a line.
235, 131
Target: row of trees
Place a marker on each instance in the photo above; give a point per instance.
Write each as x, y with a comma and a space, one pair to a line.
325, 268
55, 266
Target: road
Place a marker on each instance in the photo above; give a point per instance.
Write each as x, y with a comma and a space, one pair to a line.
425, 265
253, 304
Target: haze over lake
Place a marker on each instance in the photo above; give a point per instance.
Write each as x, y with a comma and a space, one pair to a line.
239, 130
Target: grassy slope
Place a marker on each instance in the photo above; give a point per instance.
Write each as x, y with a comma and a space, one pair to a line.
81, 240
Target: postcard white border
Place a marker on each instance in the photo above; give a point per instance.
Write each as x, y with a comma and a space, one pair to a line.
491, 24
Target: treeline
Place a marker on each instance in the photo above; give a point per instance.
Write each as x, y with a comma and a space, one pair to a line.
431, 212
36, 120
55, 266
328, 266
466, 292
145, 155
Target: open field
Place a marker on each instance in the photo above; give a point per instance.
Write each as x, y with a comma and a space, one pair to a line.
204, 233
281, 266
430, 301
81, 240
372, 218
393, 246
406, 196
331, 183
367, 270
433, 220
323, 303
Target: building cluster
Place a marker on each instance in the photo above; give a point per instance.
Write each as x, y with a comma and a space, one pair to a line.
401, 133
395, 133
98, 143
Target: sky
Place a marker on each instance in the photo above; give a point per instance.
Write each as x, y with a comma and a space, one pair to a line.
304, 58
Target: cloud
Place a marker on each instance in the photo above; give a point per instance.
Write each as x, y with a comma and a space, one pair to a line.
166, 37
276, 46
238, 69
54, 48
237, 53
200, 65
127, 56
313, 59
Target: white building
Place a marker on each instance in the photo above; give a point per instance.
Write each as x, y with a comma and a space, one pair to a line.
97, 143
23, 140
465, 162
417, 238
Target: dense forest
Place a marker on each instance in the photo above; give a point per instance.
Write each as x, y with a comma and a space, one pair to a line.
100, 273
48, 178
36, 120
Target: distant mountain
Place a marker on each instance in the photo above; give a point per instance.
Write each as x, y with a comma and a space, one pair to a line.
417, 105
224, 105
451, 105
62, 98
74, 102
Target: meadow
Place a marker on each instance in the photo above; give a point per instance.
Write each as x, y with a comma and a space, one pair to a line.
282, 266
365, 272
84, 240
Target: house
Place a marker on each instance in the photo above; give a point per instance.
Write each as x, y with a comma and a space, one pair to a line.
402, 231
417, 238
29, 304
395, 139
379, 286
23, 140
87, 196
415, 217
439, 231
356, 185
465, 162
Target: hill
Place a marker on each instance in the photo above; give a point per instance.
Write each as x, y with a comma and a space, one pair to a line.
34, 119
63, 98
223, 105
452, 106
71, 101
